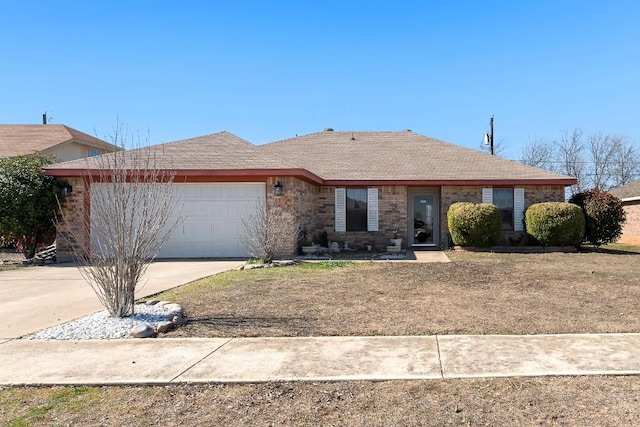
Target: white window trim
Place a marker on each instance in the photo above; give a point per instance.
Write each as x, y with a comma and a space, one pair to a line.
341, 210
518, 209
372, 209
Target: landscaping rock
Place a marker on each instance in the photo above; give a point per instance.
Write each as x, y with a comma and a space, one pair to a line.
179, 321
161, 303
174, 308
152, 302
163, 327
170, 316
142, 331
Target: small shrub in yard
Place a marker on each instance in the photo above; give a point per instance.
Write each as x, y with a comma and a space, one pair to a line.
604, 216
555, 223
473, 224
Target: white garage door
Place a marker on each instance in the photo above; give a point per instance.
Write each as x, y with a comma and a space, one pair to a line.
212, 213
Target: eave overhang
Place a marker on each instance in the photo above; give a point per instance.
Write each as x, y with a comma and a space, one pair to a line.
253, 174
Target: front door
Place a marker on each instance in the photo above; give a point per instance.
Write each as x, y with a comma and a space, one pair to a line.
423, 223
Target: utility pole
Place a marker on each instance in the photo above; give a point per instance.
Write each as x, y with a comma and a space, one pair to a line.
488, 137
491, 135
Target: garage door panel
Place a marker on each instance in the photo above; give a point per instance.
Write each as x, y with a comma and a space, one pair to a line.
211, 215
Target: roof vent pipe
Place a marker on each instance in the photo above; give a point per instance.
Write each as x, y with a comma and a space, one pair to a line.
44, 118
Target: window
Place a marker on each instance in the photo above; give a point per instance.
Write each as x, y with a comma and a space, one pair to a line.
510, 202
503, 199
93, 153
356, 209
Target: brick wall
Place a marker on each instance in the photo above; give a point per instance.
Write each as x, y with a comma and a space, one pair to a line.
314, 206
73, 216
631, 228
299, 197
392, 215
473, 194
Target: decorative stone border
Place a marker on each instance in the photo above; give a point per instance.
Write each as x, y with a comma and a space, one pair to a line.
175, 317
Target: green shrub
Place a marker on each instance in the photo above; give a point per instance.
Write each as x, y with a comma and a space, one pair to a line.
604, 216
555, 223
474, 224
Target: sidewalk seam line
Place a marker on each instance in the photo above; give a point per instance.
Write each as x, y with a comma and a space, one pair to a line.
204, 357
439, 356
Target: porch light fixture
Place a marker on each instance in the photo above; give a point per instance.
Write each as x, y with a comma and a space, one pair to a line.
66, 189
277, 189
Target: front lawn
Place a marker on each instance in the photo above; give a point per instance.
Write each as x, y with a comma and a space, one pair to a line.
477, 293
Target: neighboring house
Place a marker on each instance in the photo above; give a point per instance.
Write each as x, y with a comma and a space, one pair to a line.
356, 186
630, 196
61, 141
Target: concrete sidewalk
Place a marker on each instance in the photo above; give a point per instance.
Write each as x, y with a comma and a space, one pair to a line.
168, 360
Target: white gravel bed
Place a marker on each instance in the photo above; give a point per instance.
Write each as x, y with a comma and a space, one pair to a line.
99, 326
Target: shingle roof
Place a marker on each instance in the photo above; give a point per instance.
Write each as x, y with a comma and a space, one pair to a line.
397, 156
628, 191
16, 140
221, 150
333, 157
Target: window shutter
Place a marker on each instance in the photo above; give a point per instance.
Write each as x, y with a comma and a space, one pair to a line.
487, 195
372, 209
518, 209
341, 210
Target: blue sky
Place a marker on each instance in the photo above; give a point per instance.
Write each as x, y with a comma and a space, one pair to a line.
268, 70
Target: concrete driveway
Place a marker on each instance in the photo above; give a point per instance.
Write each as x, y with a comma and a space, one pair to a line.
35, 298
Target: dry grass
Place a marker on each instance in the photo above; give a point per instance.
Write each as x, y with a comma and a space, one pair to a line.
10, 259
592, 401
477, 293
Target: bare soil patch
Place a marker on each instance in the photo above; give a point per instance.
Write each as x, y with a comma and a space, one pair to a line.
477, 293
593, 401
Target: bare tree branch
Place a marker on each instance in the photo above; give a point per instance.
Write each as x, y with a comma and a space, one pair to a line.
625, 163
601, 150
269, 231
570, 152
603, 161
538, 153
132, 199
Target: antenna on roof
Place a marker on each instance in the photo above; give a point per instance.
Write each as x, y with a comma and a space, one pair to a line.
353, 138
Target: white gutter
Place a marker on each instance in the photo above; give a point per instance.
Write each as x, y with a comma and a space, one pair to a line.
631, 199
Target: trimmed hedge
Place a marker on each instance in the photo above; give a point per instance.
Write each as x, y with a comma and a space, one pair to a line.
604, 216
555, 223
473, 224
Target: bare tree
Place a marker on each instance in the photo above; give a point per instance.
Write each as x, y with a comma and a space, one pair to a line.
601, 150
132, 199
538, 153
625, 163
601, 161
269, 231
570, 152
